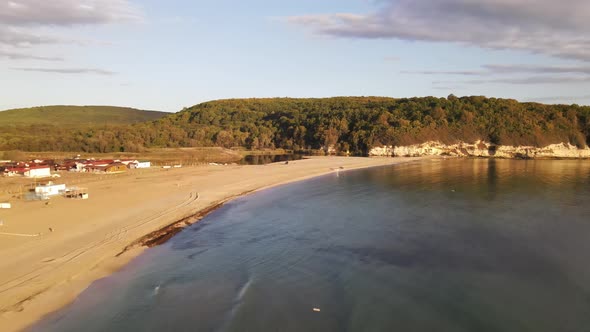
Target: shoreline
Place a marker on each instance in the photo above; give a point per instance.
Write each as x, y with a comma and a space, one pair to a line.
167, 232
31, 292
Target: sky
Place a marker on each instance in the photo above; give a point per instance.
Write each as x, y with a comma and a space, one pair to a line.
167, 55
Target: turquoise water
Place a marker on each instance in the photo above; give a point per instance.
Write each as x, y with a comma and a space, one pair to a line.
446, 245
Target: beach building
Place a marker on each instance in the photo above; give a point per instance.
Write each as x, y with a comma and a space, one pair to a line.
101, 163
30, 172
134, 163
93, 169
38, 172
49, 189
143, 164
9, 171
71, 165
116, 167
129, 162
5, 206
78, 167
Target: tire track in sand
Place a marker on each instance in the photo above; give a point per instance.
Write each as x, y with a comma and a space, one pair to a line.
52, 264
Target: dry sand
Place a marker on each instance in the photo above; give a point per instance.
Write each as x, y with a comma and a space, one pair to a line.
39, 274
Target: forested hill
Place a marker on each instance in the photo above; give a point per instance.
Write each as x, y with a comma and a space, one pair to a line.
358, 123
352, 124
76, 115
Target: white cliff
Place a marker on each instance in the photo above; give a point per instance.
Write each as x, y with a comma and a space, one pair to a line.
482, 149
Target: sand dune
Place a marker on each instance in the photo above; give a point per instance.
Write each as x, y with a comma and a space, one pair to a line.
43, 270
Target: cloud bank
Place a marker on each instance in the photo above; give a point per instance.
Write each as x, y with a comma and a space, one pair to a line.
559, 98
533, 74
21, 21
554, 28
65, 12
488, 70
67, 70
24, 56
25, 24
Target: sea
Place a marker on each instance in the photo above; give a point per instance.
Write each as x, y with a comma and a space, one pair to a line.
434, 245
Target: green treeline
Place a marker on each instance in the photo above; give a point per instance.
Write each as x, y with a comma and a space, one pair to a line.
352, 124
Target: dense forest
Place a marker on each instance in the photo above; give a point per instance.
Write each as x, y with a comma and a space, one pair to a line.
353, 124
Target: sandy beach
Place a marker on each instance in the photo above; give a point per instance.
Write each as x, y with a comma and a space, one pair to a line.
43, 270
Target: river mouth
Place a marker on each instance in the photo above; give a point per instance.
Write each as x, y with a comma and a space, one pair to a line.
443, 245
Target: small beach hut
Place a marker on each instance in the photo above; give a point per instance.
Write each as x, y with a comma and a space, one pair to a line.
49, 189
38, 172
143, 164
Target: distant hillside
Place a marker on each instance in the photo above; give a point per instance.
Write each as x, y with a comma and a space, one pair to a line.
357, 124
76, 115
353, 124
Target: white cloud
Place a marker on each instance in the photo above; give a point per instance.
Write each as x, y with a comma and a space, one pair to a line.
514, 74
392, 59
555, 28
24, 23
26, 56
445, 72
488, 70
66, 12
535, 69
567, 99
67, 70
527, 80
17, 37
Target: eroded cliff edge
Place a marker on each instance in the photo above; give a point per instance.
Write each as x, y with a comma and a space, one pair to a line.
482, 149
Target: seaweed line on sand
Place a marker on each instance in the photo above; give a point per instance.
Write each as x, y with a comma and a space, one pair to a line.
165, 233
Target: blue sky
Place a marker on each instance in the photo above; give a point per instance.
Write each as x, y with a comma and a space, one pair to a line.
166, 55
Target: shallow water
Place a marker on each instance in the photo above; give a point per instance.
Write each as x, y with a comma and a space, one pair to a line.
445, 245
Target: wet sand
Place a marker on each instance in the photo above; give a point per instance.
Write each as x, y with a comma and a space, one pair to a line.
43, 270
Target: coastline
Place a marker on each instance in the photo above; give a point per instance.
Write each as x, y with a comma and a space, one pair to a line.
95, 238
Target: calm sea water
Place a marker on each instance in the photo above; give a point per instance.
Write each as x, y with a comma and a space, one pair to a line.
445, 245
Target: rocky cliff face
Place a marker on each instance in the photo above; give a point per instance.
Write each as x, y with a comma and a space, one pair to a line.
482, 149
